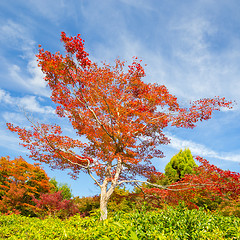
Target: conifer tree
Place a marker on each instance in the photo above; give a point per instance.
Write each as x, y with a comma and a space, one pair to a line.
179, 165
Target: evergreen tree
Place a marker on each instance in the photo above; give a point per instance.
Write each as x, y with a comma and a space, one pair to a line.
179, 165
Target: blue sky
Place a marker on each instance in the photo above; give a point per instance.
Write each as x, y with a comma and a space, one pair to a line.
193, 47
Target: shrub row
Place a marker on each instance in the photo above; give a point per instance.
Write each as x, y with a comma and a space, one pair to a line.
168, 224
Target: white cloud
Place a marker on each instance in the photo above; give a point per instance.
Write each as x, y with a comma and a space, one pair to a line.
55, 11
192, 46
5, 97
31, 104
13, 117
11, 141
28, 76
193, 68
201, 150
34, 83
200, 70
139, 4
17, 37
28, 103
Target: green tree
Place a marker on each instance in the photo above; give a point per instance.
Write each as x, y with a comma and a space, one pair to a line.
179, 165
66, 191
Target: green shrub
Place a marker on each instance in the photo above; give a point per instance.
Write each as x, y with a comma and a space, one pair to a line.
179, 223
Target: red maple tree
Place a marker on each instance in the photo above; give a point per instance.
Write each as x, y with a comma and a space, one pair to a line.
121, 117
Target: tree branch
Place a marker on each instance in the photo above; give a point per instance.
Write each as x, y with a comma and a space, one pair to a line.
167, 187
90, 174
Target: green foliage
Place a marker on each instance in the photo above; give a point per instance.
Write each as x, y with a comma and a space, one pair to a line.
120, 200
123, 200
63, 187
179, 165
86, 205
171, 223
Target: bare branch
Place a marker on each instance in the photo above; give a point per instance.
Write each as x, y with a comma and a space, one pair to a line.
87, 106
95, 180
167, 187
138, 186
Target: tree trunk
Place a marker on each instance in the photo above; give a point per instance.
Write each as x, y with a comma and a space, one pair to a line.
106, 193
103, 205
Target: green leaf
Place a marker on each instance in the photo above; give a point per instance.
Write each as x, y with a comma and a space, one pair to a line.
134, 236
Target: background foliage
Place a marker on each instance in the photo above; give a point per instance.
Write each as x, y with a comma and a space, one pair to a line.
19, 183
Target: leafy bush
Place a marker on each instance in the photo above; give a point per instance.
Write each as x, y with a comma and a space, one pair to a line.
121, 200
86, 205
179, 223
53, 204
230, 208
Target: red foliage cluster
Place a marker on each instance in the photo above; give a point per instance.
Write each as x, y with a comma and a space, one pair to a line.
75, 45
57, 146
53, 204
208, 186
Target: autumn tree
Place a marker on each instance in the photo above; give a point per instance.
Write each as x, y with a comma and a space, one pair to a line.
180, 164
121, 117
20, 181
